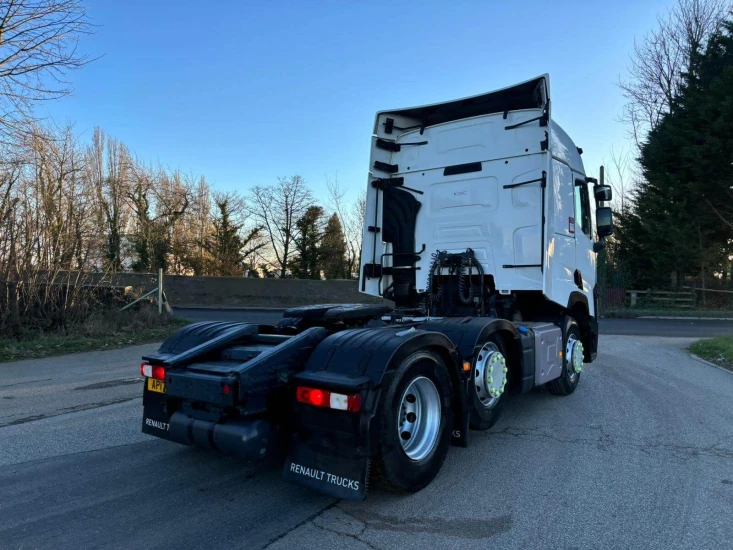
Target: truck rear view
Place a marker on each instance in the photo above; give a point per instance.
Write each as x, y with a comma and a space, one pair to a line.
480, 228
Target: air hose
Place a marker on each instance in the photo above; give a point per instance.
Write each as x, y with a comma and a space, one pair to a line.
462, 278
434, 292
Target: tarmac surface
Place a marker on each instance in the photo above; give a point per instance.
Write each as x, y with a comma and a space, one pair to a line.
640, 456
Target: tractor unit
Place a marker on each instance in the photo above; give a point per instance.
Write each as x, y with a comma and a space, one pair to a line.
482, 231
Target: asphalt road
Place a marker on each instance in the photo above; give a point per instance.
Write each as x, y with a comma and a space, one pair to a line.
637, 327
641, 456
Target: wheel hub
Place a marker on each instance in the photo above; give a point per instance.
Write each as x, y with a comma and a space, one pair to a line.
490, 375
574, 352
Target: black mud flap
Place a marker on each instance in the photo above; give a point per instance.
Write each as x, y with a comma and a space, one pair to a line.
155, 420
341, 477
593, 340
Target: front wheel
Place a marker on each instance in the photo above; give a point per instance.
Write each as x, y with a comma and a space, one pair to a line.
415, 424
572, 362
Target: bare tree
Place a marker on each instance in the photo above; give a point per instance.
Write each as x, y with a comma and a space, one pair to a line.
108, 164
357, 219
48, 229
352, 221
158, 200
661, 58
38, 47
10, 176
199, 228
172, 198
277, 208
618, 176
61, 200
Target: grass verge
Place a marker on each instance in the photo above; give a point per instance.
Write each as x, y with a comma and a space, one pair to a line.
633, 313
715, 350
101, 331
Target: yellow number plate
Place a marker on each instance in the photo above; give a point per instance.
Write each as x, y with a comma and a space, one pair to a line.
156, 385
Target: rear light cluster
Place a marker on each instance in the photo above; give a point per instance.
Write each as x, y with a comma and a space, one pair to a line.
328, 400
150, 371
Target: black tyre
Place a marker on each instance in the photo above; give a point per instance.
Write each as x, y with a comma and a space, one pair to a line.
415, 424
488, 384
572, 348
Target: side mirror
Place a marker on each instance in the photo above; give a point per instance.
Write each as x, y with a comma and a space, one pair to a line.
604, 221
602, 193
598, 246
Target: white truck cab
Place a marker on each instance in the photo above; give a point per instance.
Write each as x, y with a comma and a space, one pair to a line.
492, 177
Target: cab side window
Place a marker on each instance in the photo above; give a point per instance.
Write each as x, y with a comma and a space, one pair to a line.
582, 208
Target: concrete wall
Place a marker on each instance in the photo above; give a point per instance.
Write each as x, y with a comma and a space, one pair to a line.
184, 291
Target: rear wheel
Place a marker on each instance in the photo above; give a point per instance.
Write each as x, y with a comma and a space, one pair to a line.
415, 424
572, 362
488, 384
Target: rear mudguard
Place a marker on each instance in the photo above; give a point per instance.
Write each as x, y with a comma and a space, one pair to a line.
194, 341
469, 334
330, 449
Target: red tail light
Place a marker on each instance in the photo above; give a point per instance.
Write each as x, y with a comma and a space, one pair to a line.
149, 371
327, 399
311, 396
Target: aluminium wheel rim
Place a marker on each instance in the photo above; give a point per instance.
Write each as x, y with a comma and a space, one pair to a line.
418, 420
490, 375
574, 352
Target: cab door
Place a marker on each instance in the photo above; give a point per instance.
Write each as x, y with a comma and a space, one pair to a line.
584, 276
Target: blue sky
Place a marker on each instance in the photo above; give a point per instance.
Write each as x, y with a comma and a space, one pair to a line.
243, 92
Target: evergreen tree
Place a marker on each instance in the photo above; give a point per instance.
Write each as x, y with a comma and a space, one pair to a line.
226, 246
150, 243
681, 222
160, 246
333, 250
309, 233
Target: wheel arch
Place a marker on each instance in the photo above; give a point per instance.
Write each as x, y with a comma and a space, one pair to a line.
374, 355
442, 346
469, 335
364, 361
513, 347
578, 309
578, 299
